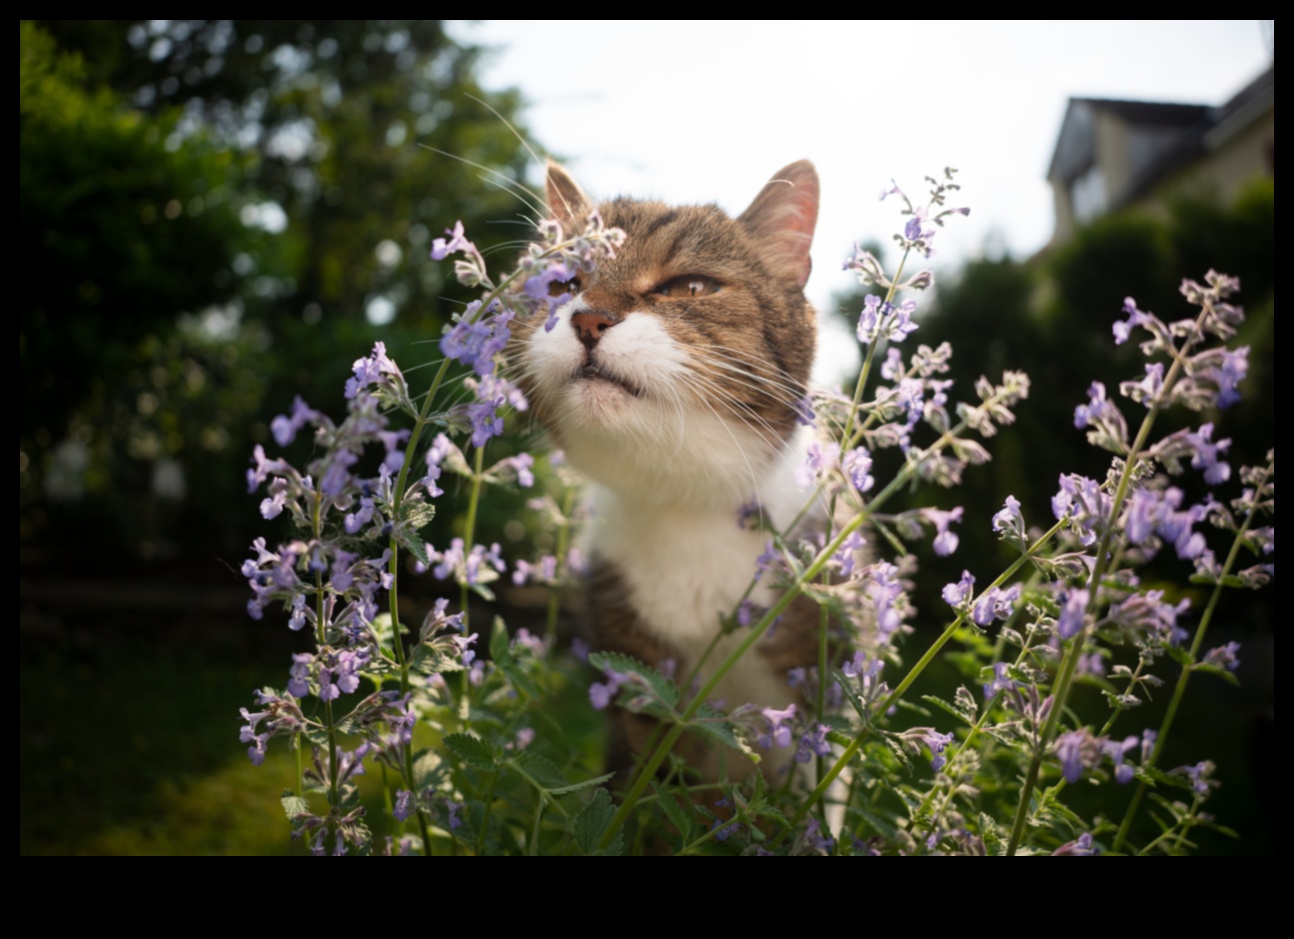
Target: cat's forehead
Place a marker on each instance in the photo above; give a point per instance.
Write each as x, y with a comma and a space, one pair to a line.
688, 238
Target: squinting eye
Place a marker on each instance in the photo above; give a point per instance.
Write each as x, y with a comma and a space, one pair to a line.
557, 288
689, 285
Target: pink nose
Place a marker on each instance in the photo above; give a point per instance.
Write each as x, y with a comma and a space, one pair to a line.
590, 325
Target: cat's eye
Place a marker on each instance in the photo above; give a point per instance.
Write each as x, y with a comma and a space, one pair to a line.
556, 288
689, 285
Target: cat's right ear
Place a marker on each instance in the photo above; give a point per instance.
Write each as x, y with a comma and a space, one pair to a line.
566, 200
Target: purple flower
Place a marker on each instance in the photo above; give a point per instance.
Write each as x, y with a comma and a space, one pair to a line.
441, 249
960, 592
1070, 622
813, 742
403, 805
1205, 455
1002, 680
945, 542
778, 733
1070, 749
858, 467
452, 819
284, 427
299, 686
1224, 656
1082, 847
1123, 330
995, 603
1116, 750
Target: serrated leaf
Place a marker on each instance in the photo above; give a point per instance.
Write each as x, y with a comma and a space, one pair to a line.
426, 768
674, 812
500, 642
640, 674
715, 725
472, 750
1218, 670
848, 687
540, 770
415, 545
951, 708
591, 822
579, 786
293, 804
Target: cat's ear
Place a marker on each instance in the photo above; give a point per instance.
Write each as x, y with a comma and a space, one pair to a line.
782, 219
566, 200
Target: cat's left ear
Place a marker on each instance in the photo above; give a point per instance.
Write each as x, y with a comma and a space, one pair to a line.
566, 200
782, 219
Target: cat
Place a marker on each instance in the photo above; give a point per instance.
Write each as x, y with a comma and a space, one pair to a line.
673, 379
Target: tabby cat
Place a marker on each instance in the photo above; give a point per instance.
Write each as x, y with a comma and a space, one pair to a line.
673, 379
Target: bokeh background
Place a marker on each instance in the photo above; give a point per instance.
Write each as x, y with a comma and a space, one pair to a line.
216, 216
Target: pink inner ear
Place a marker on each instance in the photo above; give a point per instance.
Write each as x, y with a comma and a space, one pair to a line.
783, 217
566, 200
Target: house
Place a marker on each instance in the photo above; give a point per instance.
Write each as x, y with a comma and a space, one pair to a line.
1114, 154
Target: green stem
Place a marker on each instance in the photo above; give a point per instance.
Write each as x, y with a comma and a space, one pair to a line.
1196, 644
1060, 692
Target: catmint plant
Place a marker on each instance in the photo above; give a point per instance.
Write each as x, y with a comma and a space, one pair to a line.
453, 716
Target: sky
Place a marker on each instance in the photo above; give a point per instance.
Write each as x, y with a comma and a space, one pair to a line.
697, 111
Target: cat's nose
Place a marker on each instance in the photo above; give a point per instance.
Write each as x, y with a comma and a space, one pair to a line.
589, 325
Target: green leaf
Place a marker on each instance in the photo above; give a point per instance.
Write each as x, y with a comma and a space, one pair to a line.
580, 786
542, 772
641, 676
951, 708
674, 812
500, 642
472, 750
416, 546
427, 766
848, 687
293, 804
591, 823
1220, 671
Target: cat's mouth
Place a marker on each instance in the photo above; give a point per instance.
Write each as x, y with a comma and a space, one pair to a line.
595, 372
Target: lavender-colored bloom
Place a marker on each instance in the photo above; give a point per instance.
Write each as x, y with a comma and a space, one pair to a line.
371, 370
1002, 680
1070, 622
813, 742
815, 840
945, 542
476, 342
1123, 330
441, 249
778, 732
403, 805
464, 643
452, 819
1205, 455
958, 593
1199, 774
285, 427
1082, 847
1224, 656
1008, 519
299, 686
1116, 750
996, 603
857, 465
936, 742
1069, 750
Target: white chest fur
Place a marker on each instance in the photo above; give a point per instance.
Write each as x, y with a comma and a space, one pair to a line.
686, 566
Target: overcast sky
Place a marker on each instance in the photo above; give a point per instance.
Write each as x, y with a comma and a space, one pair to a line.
707, 111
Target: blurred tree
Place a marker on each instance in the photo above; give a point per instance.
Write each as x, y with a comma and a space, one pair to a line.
217, 215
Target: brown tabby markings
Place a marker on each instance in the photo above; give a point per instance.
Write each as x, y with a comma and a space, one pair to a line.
671, 381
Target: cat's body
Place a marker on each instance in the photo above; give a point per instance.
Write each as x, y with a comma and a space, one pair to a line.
672, 380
